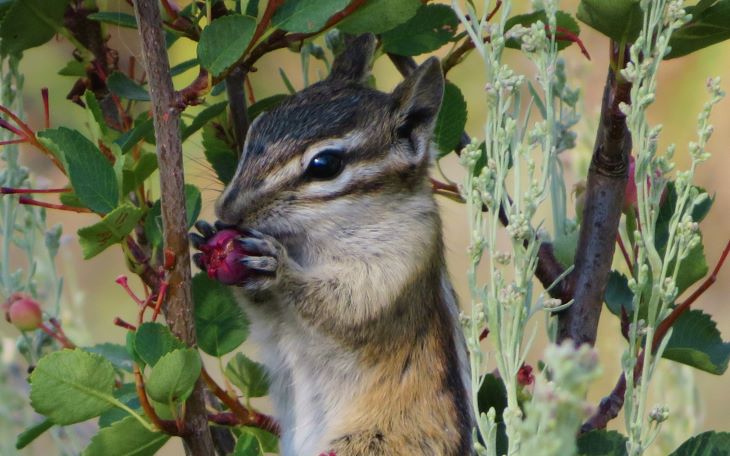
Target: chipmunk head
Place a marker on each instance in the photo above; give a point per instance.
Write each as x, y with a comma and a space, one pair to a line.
337, 154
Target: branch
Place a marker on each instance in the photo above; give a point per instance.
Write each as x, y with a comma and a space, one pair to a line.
605, 188
179, 306
237, 105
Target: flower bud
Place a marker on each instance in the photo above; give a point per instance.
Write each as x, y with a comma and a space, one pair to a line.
23, 312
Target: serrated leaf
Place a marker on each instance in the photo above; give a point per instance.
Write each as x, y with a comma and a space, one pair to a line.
126, 437
710, 443
73, 68
265, 104
431, 27
618, 294
620, 20
138, 170
114, 353
221, 156
90, 172
153, 222
203, 117
30, 23
113, 228
601, 443
173, 377
696, 342
306, 16
141, 130
127, 395
710, 25
27, 437
249, 376
152, 341
564, 21
124, 87
450, 121
115, 18
224, 41
378, 16
96, 117
220, 324
254, 441
70, 386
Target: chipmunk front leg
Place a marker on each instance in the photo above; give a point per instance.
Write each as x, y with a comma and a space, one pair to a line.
246, 258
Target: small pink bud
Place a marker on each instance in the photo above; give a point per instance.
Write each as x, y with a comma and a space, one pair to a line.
122, 280
630, 195
23, 312
222, 257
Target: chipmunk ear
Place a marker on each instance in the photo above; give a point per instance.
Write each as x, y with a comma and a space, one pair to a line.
418, 100
353, 64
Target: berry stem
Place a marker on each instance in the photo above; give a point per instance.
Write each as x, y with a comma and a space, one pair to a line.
62, 207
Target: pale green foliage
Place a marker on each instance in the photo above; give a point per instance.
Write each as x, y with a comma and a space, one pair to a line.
527, 154
655, 284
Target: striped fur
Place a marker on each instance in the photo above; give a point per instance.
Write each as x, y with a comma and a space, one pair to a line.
358, 328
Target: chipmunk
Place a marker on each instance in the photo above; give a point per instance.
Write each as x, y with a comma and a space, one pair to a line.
347, 291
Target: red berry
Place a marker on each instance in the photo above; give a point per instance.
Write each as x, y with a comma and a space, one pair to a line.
222, 257
525, 376
23, 312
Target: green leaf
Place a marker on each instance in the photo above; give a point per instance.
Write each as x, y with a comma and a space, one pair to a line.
73, 68
182, 67
710, 443
564, 21
221, 156
564, 247
30, 23
70, 386
96, 117
135, 172
620, 20
153, 340
254, 441
492, 394
113, 228
265, 104
153, 221
220, 323
618, 294
696, 342
127, 395
90, 172
141, 130
451, 120
27, 437
114, 18
249, 376
203, 117
601, 443
114, 353
378, 16
710, 25
173, 377
694, 266
431, 27
306, 16
224, 41
124, 87
125, 438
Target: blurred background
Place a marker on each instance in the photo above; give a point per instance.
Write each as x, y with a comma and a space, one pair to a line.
92, 299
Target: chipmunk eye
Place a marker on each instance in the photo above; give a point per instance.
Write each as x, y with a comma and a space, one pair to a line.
325, 165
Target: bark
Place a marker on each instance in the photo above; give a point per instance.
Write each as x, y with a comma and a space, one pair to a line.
166, 113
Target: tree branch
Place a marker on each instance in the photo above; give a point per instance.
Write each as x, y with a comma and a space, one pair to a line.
605, 188
166, 115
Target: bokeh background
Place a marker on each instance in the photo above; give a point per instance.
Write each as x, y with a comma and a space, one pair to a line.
92, 300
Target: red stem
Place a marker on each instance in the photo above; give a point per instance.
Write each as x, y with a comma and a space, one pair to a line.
625, 254
46, 108
494, 11
123, 324
13, 141
24, 126
160, 299
6, 125
567, 35
61, 207
22, 191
